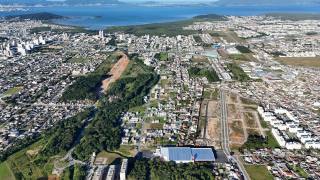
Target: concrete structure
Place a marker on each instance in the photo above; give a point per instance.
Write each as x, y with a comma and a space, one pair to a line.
123, 169
111, 172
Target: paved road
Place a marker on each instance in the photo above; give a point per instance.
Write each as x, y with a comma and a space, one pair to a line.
225, 135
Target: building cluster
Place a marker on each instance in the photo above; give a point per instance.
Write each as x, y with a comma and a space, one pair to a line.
172, 110
32, 85
285, 164
287, 130
110, 172
286, 38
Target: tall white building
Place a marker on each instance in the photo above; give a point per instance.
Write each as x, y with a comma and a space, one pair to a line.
123, 170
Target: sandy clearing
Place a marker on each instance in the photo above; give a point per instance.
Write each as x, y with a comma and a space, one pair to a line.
116, 71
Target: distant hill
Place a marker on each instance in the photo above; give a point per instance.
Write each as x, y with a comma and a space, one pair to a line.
295, 16
35, 16
210, 17
46, 2
265, 2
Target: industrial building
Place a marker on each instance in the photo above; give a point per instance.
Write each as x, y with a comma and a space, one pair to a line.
187, 154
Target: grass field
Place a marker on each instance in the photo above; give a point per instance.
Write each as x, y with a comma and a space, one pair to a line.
5, 172
300, 61
258, 172
13, 91
78, 59
111, 157
24, 165
272, 142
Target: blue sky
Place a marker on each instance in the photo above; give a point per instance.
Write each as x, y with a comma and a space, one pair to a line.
168, 1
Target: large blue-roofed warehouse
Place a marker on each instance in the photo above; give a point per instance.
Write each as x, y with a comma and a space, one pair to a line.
187, 154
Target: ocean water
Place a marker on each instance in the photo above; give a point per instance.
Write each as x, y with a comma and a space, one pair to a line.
99, 17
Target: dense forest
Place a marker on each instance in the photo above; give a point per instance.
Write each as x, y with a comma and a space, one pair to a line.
210, 74
156, 169
63, 136
104, 133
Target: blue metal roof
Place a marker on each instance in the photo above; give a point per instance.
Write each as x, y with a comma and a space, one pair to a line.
202, 154
187, 154
177, 153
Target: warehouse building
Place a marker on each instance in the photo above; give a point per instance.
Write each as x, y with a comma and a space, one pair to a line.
187, 154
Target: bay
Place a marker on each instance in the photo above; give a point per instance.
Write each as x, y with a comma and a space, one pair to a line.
100, 17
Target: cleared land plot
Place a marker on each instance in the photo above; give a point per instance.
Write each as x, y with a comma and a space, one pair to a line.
250, 120
253, 131
232, 111
116, 71
237, 136
200, 59
211, 94
212, 109
214, 130
105, 157
154, 126
300, 61
258, 172
5, 172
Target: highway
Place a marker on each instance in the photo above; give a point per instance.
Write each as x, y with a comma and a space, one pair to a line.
225, 135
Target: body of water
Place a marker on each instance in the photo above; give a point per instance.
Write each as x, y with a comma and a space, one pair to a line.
99, 17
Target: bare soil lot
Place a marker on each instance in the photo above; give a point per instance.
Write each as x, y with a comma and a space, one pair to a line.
237, 136
300, 61
116, 71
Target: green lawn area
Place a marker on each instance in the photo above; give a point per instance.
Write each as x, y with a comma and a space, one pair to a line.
5, 172
140, 109
127, 150
111, 157
77, 59
300, 171
13, 91
272, 142
258, 172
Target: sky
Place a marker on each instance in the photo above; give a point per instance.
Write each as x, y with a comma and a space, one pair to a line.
168, 1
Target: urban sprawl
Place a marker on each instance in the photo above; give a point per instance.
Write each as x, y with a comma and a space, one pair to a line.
240, 94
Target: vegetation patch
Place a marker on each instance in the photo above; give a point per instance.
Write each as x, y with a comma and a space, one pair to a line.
255, 141
243, 49
104, 132
5, 172
87, 87
156, 169
13, 91
239, 57
162, 56
210, 74
258, 172
237, 73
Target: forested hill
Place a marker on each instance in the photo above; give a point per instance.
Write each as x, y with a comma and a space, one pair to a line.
35, 16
